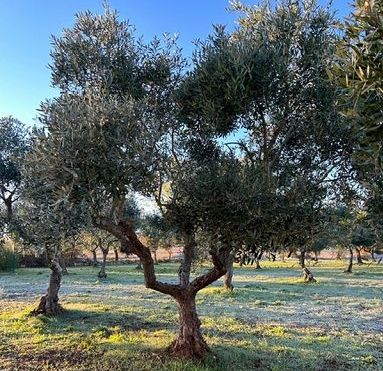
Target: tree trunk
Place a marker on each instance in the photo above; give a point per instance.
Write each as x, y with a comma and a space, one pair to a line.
242, 259
228, 277
302, 259
349, 268
358, 256
169, 255
49, 303
308, 277
373, 254
8, 205
63, 265
155, 257
115, 254
102, 273
95, 262
189, 342
258, 259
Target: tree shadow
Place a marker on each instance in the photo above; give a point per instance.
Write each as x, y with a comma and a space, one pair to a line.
87, 322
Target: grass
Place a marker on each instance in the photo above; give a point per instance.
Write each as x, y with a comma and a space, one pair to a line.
271, 321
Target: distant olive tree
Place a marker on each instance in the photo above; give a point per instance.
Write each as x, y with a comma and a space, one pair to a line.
14, 144
266, 87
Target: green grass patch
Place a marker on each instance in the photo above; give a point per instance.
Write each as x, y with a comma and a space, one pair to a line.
271, 321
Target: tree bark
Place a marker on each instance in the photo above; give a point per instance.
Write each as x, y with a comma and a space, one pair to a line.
189, 342
349, 268
95, 262
49, 303
228, 277
8, 205
302, 259
169, 255
102, 273
242, 259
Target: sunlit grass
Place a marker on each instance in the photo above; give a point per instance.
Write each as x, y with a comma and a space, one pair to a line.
271, 321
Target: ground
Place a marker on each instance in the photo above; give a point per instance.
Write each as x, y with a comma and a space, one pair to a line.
271, 321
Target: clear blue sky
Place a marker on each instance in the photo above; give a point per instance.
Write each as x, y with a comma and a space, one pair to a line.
27, 25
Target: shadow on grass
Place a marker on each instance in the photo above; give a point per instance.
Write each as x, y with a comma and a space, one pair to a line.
96, 321
112, 340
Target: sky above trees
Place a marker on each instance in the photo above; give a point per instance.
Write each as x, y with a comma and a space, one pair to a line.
26, 28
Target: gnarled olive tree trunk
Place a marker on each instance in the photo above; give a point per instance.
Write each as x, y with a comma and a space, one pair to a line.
350, 261
228, 277
258, 259
94, 254
49, 303
308, 277
102, 272
189, 342
116, 257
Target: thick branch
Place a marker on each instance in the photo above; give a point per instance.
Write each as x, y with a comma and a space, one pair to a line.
188, 255
213, 274
124, 232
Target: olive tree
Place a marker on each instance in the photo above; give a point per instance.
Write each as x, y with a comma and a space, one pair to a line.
111, 132
14, 145
265, 86
47, 227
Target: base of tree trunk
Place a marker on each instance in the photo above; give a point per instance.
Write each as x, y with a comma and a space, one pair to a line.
347, 271
228, 282
189, 347
102, 274
228, 286
48, 306
228, 277
257, 265
190, 343
308, 276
